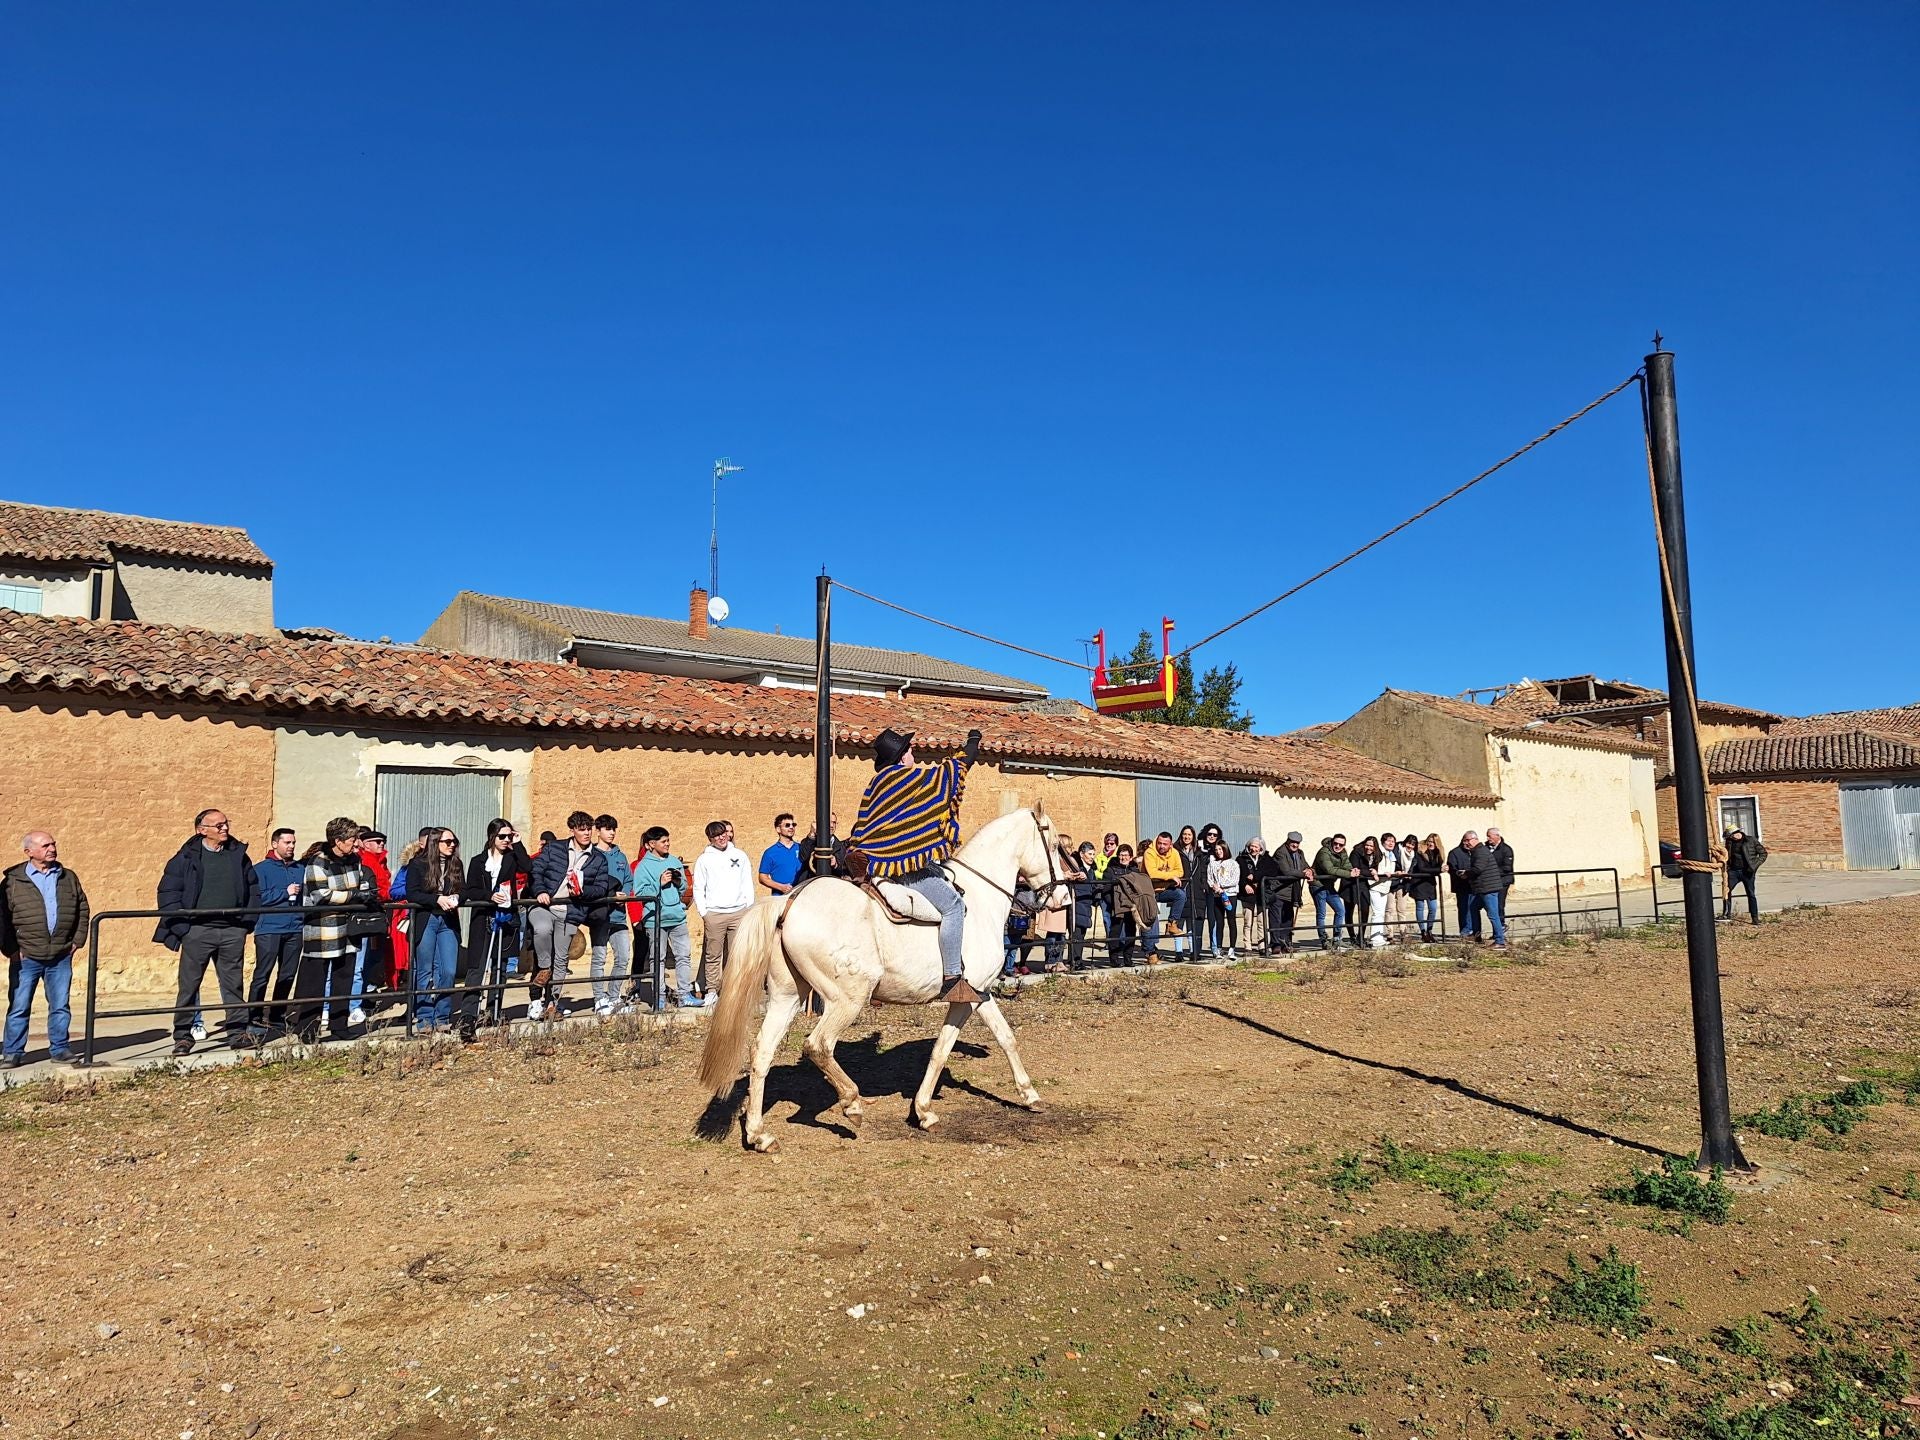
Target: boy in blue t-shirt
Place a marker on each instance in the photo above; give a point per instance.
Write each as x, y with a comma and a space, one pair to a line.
780, 861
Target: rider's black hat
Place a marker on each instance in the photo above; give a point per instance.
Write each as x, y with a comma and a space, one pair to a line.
889, 746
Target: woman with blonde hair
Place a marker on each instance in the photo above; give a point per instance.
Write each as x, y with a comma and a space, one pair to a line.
1428, 863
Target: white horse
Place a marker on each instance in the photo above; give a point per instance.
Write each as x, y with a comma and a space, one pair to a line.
835, 942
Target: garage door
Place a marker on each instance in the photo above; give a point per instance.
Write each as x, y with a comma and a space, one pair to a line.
404, 799
1880, 825
1169, 804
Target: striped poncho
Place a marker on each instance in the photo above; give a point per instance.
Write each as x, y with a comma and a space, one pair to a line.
910, 816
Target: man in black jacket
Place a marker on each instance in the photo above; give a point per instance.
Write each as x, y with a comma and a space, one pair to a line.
1459, 867
210, 872
1745, 856
1483, 887
1503, 857
1281, 875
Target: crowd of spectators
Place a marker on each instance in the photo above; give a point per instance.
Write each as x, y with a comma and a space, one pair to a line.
342, 934
1191, 895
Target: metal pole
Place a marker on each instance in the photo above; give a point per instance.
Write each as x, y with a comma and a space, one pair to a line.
1717, 1145
1559, 910
823, 724
93, 985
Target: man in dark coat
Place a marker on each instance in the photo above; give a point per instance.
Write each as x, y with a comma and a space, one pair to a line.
210, 872
1503, 857
1483, 886
1459, 866
1281, 875
43, 920
1745, 856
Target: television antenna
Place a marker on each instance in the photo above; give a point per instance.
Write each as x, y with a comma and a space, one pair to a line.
716, 607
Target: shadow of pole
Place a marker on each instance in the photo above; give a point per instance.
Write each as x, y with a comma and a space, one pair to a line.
1443, 1082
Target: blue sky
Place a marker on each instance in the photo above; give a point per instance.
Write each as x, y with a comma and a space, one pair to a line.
1042, 317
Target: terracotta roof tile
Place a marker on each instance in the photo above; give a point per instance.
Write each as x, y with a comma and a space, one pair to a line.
44, 652
1826, 753
1891, 720
1504, 719
50, 535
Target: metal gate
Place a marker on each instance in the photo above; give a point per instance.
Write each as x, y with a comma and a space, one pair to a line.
404, 799
1880, 826
1169, 804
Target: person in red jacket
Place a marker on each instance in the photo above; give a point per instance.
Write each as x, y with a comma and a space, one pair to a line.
376, 972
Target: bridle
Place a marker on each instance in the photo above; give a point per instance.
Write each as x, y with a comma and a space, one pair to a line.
1054, 882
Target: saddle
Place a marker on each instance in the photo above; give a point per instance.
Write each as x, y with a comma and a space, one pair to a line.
901, 905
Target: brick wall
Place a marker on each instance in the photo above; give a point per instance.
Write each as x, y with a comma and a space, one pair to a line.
1799, 819
118, 788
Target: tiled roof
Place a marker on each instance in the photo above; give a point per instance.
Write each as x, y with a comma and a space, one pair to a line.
1503, 719
1827, 753
1892, 720
50, 535
1537, 698
351, 679
751, 646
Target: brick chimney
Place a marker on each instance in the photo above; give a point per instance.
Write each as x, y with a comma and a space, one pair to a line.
697, 614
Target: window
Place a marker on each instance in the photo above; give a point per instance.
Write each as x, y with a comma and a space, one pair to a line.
24, 598
1740, 812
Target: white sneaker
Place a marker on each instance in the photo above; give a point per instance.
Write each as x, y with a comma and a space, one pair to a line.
603, 1007
1379, 942
535, 1009
626, 1007
199, 1028
356, 1016
713, 999
1232, 954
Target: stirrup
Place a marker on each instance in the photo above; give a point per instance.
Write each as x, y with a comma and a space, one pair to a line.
958, 992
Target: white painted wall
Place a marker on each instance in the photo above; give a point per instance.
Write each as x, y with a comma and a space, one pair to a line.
1569, 807
319, 773
1317, 816
62, 592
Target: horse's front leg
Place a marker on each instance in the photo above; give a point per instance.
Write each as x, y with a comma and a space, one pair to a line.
957, 1014
1003, 1032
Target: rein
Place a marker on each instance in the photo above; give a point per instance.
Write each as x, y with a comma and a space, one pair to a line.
1027, 907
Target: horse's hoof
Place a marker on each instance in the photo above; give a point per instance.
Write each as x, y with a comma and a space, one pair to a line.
926, 1119
1032, 1102
764, 1145
852, 1115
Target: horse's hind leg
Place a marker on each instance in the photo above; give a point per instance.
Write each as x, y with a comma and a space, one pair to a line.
782, 1005
942, 1047
842, 1010
1003, 1032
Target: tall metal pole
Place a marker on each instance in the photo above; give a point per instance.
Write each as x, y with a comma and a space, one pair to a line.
1717, 1145
822, 724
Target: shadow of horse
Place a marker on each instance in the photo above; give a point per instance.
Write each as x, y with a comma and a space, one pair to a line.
878, 1072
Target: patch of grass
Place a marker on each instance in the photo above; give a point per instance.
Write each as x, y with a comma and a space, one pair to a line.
1571, 1362
1466, 1176
1746, 1337
1795, 1117
1910, 1190
1675, 1186
1842, 1380
1435, 1263
1607, 1297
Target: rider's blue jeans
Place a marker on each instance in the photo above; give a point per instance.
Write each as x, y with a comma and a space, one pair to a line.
952, 906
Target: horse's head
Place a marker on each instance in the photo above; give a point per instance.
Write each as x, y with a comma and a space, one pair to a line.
1039, 865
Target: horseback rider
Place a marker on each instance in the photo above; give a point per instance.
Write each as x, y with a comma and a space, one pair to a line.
909, 823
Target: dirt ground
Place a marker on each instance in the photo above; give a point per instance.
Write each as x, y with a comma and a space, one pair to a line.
1237, 1215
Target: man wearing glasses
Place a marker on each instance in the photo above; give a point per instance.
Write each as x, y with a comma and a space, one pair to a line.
780, 861
210, 872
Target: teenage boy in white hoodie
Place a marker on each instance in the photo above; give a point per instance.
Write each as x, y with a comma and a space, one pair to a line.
722, 893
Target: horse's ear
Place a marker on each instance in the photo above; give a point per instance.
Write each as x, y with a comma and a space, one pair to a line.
1040, 811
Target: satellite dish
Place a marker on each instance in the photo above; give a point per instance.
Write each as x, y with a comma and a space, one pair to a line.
718, 610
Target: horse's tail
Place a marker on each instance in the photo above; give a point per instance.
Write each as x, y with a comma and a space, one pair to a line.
730, 1031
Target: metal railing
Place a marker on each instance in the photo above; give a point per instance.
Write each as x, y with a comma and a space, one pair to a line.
491, 990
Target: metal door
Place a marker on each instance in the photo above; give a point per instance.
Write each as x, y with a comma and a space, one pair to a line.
1169, 804
1909, 841
406, 798
1867, 827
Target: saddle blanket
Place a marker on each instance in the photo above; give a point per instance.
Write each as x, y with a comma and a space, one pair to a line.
914, 906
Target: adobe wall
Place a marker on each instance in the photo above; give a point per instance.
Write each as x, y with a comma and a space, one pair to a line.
187, 592
118, 787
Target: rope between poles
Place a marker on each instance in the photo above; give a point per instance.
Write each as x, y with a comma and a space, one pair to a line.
1452, 494
961, 629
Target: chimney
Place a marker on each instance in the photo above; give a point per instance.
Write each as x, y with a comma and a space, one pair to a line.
697, 614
